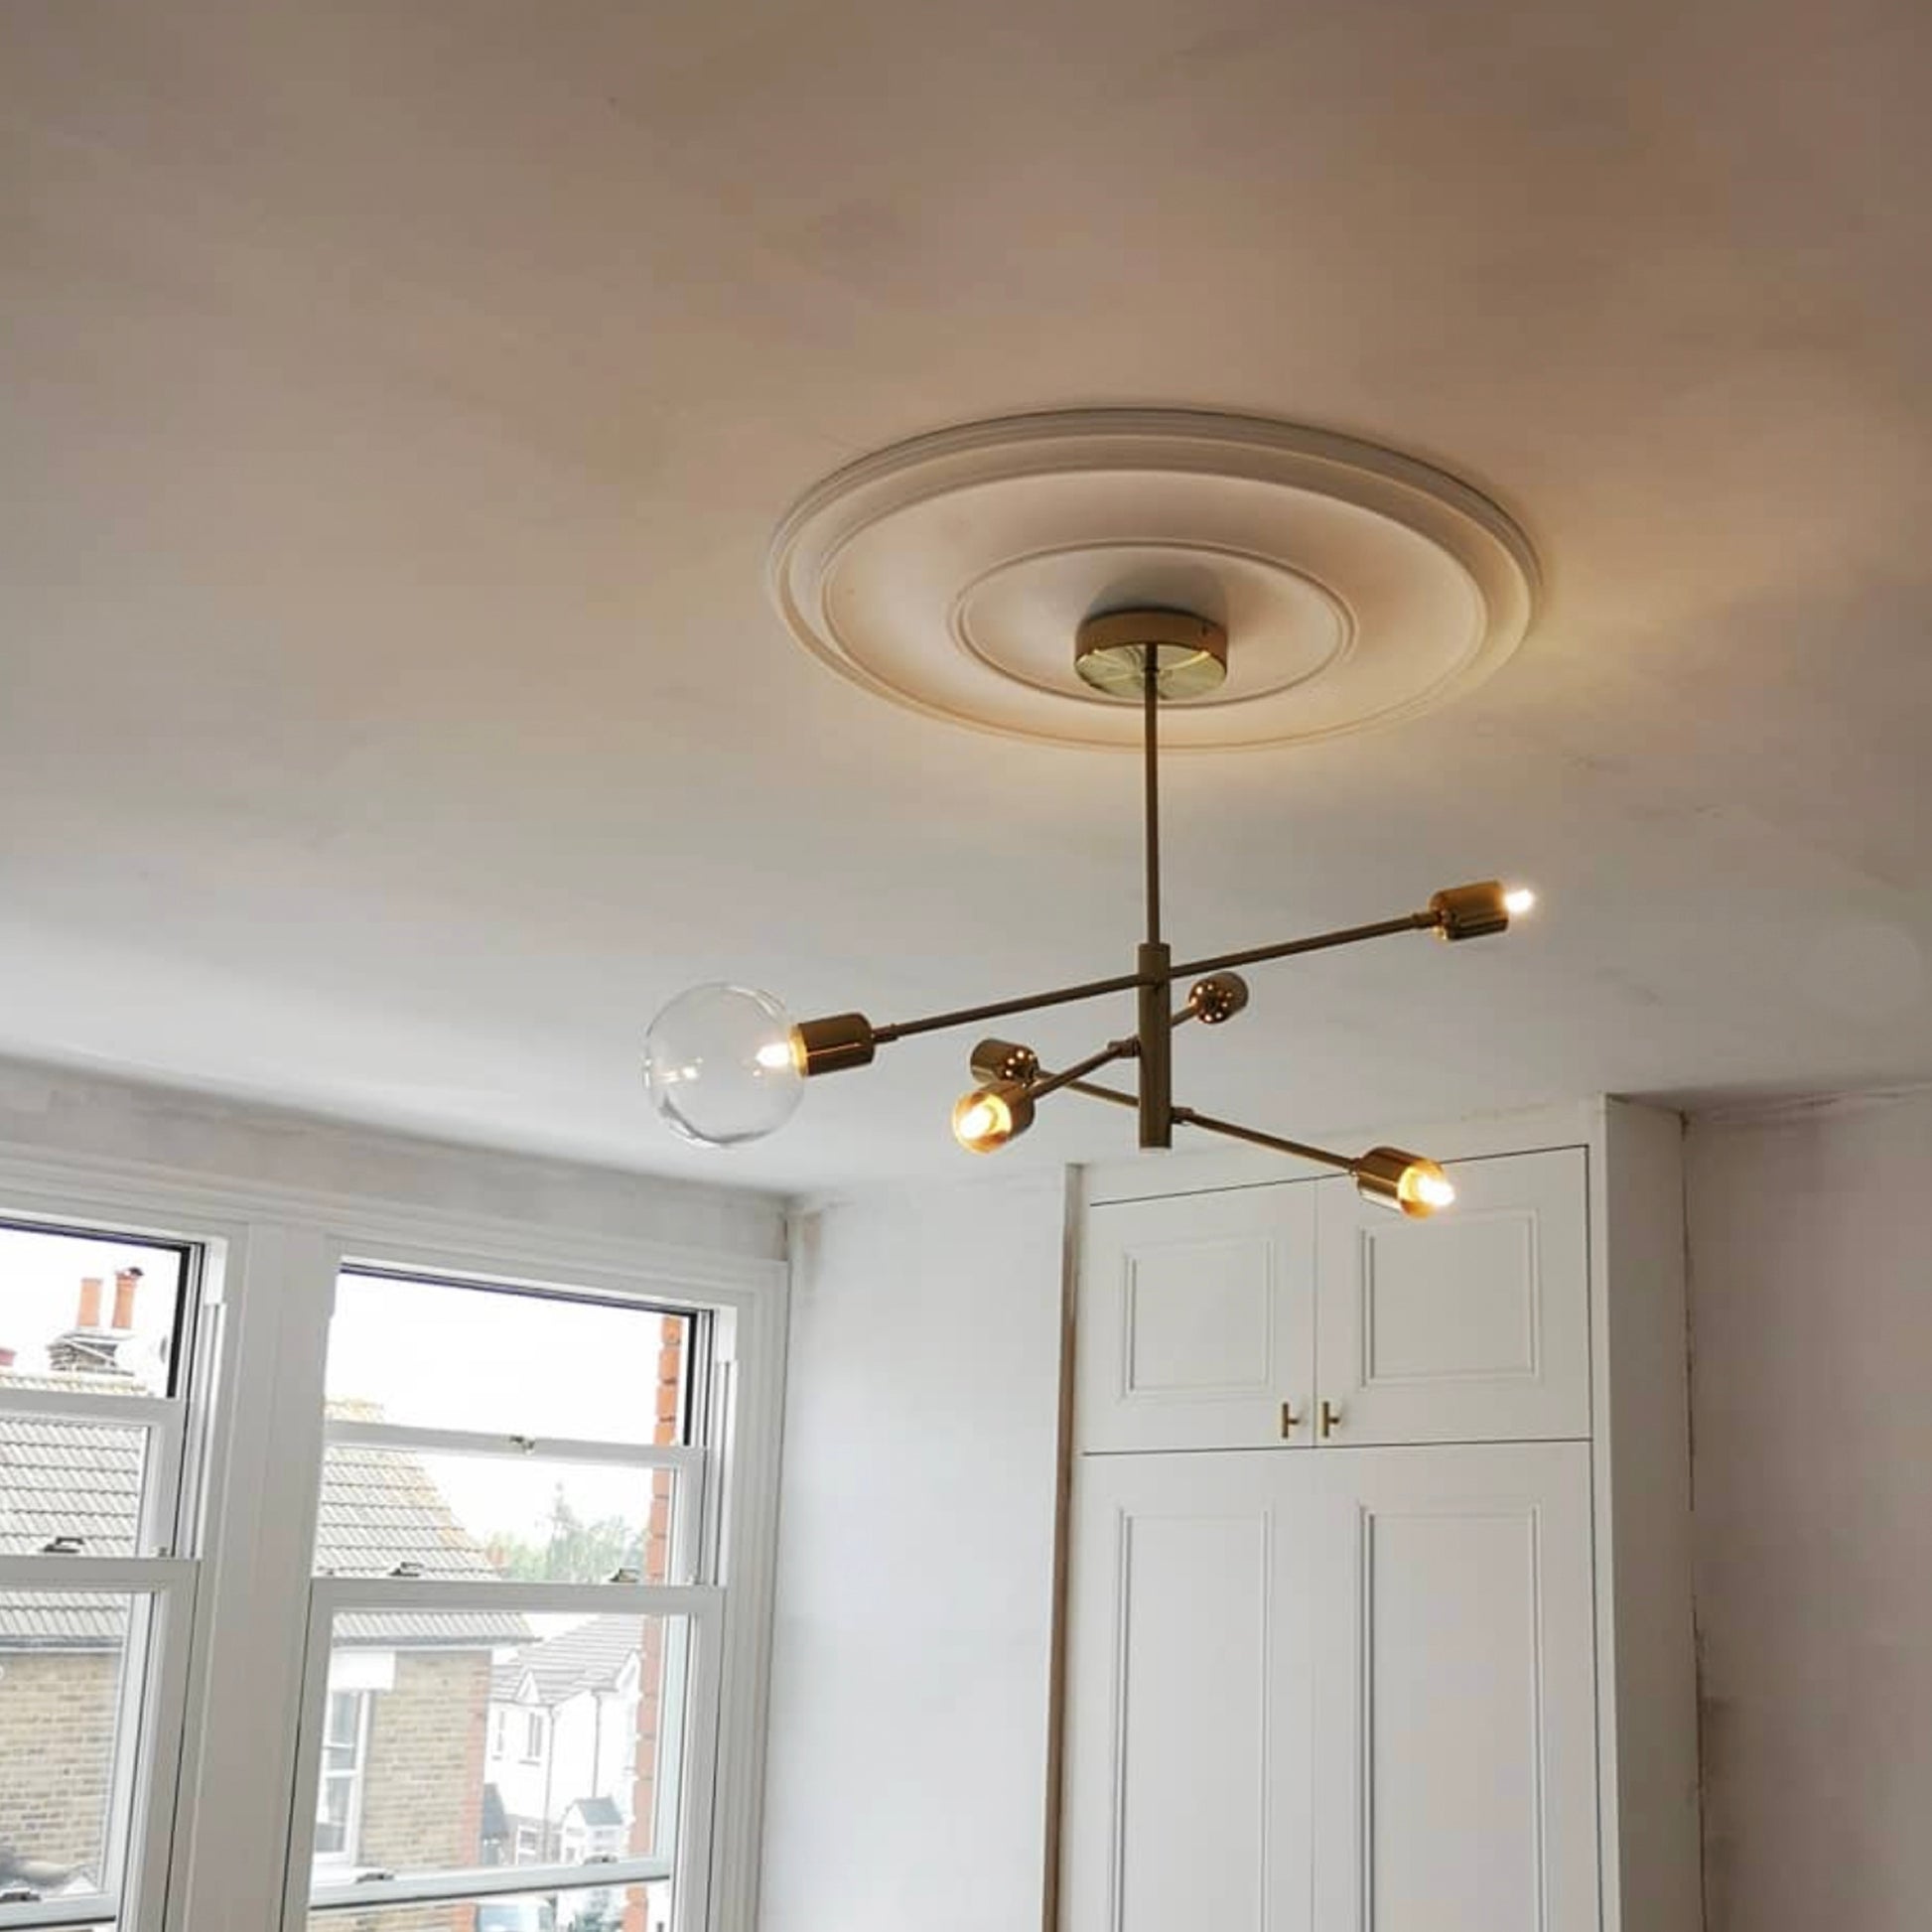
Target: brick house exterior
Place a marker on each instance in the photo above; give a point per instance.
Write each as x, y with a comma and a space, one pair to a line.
57, 1731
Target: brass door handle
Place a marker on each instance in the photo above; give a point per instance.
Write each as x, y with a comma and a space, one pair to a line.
1291, 1422
1331, 1419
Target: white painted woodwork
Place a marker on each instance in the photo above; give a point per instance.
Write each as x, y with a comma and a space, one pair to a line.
1472, 1325
1189, 1794
1500, 1710
1454, 1721
1196, 1321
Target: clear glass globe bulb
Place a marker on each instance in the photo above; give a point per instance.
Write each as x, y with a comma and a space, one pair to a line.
720, 1066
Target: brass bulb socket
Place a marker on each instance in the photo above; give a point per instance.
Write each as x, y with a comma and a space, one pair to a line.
986, 1119
1410, 1184
997, 1063
831, 1044
1219, 997
1470, 912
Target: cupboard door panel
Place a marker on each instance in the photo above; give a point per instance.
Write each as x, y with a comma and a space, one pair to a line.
1197, 1321
1455, 1731
1186, 1795
1470, 1326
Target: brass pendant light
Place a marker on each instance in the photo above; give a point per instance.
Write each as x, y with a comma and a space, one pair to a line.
726, 1065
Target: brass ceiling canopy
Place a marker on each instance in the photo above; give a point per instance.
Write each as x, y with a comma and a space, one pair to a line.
725, 1064
1190, 654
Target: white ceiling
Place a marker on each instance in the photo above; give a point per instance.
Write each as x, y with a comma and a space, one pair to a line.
398, 399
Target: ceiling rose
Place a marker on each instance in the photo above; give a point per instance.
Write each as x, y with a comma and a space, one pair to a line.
1352, 586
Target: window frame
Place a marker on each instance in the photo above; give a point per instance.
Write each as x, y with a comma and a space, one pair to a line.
687, 1868
691, 1736
687, 1461
270, 1250
158, 1577
147, 1732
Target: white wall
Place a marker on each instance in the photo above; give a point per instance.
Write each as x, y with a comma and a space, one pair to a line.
1811, 1272
906, 1781
53, 1112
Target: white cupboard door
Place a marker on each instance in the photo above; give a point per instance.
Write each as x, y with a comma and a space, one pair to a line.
1187, 1804
1196, 1321
1455, 1727
1471, 1326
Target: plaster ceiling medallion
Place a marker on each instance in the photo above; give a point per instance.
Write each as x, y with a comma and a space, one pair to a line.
963, 574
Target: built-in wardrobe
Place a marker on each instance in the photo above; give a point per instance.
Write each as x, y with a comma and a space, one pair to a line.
1378, 1611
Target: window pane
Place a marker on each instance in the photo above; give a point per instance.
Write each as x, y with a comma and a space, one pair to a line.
531, 1519
64, 1655
71, 1480
501, 1363
584, 1767
83, 1311
621, 1909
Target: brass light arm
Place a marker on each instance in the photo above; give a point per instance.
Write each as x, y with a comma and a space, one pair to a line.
1390, 1175
1208, 1123
1426, 922
1094, 1091
1276, 1143
1429, 922
998, 1009
1115, 1050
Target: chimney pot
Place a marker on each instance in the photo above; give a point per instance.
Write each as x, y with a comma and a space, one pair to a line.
126, 1280
90, 1314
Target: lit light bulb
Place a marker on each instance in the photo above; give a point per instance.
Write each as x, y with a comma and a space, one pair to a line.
722, 1066
1426, 1185
1518, 900
986, 1119
1408, 1182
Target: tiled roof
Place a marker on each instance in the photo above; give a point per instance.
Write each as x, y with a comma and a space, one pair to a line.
377, 1508
590, 1657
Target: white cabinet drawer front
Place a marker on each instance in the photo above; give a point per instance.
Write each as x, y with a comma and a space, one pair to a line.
1470, 1326
1456, 1717
1197, 1321
1188, 1800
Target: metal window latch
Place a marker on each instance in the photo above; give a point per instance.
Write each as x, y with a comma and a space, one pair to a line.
63, 1546
600, 1858
624, 1575
375, 1877
407, 1570
523, 1444
19, 1895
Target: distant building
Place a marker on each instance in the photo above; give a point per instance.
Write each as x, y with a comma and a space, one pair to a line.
562, 1740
